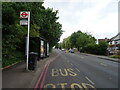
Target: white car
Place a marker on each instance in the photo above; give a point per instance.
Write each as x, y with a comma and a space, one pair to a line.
63, 49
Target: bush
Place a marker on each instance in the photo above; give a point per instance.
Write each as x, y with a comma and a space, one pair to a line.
103, 47
14, 57
99, 49
91, 48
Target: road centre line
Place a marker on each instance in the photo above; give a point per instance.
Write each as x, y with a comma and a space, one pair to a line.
90, 80
71, 64
103, 64
82, 57
77, 69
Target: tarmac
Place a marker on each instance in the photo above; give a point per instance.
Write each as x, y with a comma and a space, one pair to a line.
16, 76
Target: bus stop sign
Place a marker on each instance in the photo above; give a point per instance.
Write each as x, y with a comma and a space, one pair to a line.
23, 14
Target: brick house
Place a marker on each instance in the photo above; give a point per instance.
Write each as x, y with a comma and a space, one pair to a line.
99, 40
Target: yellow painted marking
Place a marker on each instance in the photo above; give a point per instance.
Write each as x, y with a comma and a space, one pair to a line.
103, 64
50, 84
65, 72
71, 73
82, 86
85, 85
55, 72
77, 69
90, 80
62, 85
75, 84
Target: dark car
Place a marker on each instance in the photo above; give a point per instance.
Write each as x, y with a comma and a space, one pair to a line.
71, 51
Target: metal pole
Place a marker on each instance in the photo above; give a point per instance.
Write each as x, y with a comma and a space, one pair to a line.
28, 40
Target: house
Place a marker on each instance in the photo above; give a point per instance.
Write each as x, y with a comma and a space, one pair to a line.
114, 44
99, 40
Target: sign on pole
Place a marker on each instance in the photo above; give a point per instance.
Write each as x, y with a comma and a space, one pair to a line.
23, 22
28, 40
26, 15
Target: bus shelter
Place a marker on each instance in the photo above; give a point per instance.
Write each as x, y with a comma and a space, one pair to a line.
39, 46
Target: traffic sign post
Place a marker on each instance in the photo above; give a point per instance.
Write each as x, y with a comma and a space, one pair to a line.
28, 40
23, 22
23, 15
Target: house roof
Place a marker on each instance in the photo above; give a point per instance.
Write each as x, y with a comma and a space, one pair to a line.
99, 40
115, 37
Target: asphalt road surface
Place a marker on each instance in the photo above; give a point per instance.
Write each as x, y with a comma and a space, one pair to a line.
72, 70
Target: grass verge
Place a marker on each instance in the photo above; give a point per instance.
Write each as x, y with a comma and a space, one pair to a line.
115, 56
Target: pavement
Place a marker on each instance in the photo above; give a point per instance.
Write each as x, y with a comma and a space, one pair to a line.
65, 70
101, 57
16, 76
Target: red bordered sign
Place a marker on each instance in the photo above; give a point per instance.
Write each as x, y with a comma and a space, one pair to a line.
24, 14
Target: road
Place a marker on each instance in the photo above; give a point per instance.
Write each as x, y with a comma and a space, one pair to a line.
73, 70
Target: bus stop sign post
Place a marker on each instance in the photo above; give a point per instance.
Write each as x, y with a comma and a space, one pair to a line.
28, 40
26, 14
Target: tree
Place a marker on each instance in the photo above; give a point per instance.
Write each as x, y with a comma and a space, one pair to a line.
43, 24
66, 43
103, 47
84, 39
80, 39
73, 39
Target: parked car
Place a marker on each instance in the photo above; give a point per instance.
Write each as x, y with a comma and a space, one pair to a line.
63, 49
71, 51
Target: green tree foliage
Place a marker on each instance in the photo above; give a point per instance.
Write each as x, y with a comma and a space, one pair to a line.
84, 42
103, 47
99, 49
79, 39
66, 43
73, 39
43, 24
91, 48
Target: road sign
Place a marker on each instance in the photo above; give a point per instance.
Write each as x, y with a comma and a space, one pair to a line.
23, 22
28, 40
24, 14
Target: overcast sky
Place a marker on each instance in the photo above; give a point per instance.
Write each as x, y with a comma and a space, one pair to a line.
99, 17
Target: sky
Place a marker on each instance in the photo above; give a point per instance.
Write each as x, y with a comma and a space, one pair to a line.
98, 17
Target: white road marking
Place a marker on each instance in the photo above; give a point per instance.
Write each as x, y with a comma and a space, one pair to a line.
71, 64
77, 69
82, 57
90, 80
103, 64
